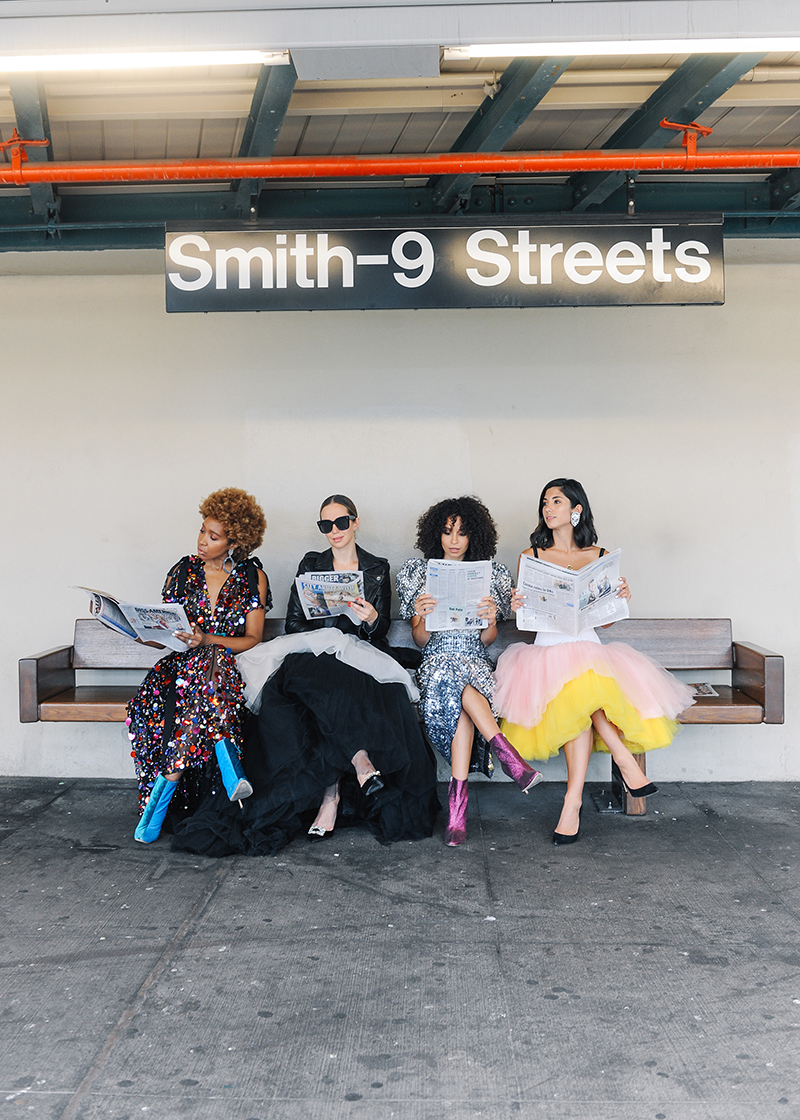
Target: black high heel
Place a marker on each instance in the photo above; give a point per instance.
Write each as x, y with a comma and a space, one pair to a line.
373, 783
562, 838
643, 791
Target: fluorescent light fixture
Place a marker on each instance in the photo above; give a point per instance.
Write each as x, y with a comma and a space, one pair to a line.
762, 45
143, 60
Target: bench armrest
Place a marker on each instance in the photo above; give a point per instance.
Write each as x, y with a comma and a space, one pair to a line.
42, 676
758, 673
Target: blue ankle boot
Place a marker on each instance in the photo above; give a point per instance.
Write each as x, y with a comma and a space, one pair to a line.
151, 820
236, 785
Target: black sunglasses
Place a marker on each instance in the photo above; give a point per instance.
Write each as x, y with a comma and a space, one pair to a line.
326, 526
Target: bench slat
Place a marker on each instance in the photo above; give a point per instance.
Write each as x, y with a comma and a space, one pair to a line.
103, 703
97, 647
731, 706
677, 643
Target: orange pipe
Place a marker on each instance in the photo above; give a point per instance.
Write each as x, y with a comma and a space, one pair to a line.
21, 173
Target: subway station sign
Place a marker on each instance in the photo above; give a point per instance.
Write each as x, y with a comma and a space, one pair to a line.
444, 263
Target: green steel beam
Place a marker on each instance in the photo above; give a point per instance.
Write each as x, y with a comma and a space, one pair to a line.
785, 190
30, 110
689, 91
524, 83
127, 221
268, 109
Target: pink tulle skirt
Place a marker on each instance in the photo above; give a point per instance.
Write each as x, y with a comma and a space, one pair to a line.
547, 695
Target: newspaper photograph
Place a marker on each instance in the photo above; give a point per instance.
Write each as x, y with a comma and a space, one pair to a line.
158, 622
326, 594
561, 601
458, 587
147, 622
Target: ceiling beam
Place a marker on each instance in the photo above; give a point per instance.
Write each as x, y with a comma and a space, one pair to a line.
30, 112
784, 189
683, 97
524, 83
109, 219
268, 109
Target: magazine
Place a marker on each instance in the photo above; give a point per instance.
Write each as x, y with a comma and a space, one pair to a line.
147, 622
458, 587
326, 594
561, 601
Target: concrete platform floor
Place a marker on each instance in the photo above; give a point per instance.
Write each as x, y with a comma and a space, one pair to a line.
649, 972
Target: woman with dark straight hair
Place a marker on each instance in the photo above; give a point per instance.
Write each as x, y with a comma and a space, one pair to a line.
577, 693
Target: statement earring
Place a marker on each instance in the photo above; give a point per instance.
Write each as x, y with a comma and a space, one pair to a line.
574, 518
229, 559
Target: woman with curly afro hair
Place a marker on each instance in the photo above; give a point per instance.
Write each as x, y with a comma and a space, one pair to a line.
185, 722
455, 677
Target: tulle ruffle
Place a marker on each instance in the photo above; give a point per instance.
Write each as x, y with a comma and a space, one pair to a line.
547, 695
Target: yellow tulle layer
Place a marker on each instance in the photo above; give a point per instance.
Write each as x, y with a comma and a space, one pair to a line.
570, 713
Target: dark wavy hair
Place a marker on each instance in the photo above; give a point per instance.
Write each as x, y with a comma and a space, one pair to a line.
476, 522
584, 532
340, 500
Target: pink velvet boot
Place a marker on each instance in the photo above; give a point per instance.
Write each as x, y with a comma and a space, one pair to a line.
456, 831
517, 768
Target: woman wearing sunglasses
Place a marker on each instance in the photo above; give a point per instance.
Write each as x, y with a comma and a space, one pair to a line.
336, 739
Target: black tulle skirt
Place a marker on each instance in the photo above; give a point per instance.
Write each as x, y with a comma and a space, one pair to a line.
316, 713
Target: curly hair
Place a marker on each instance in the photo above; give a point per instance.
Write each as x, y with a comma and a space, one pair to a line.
584, 533
240, 514
476, 522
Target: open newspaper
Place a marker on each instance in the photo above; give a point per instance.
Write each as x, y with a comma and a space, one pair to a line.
458, 587
558, 600
325, 594
149, 622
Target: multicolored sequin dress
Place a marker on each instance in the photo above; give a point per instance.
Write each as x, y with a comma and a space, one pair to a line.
451, 660
189, 700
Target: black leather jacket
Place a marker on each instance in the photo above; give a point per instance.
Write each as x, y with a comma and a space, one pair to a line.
377, 591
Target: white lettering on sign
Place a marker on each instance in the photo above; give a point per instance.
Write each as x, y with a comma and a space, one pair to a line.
302, 260
222, 256
177, 256
615, 262
424, 260
684, 255
593, 260
484, 256
625, 262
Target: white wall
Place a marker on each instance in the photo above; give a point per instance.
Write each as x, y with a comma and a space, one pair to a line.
682, 423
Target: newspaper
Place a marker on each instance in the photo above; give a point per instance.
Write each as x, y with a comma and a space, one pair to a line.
561, 601
147, 622
458, 587
703, 688
326, 594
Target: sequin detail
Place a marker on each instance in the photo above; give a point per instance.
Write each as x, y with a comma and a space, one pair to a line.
205, 709
451, 660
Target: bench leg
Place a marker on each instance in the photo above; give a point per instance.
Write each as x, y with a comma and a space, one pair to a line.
632, 806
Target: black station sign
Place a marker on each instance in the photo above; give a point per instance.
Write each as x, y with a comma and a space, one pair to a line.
313, 266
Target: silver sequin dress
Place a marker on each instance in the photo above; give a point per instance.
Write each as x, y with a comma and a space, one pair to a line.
451, 660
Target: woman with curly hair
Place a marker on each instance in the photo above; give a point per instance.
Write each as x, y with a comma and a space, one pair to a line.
577, 693
334, 739
455, 677
189, 710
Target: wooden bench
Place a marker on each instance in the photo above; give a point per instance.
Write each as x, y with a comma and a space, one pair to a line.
50, 690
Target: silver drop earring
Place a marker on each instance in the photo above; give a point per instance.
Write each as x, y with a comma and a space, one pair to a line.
574, 518
229, 558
